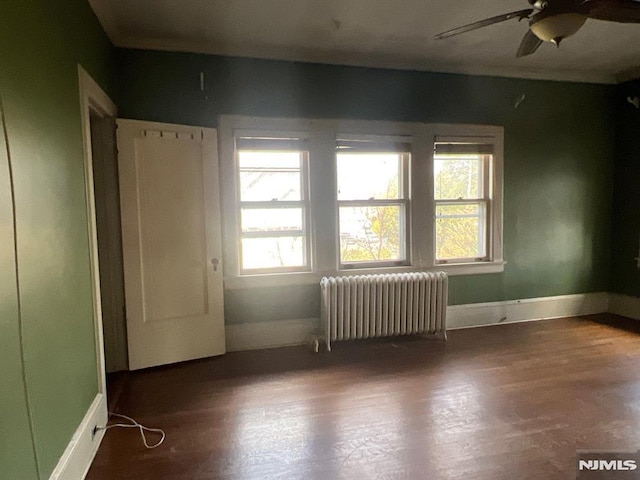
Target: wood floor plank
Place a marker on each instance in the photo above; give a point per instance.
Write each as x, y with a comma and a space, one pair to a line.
502, 402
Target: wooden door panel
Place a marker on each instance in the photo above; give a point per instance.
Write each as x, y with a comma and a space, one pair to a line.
171, 231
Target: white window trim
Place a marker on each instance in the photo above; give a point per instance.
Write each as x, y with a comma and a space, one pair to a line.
492, 198
324, 241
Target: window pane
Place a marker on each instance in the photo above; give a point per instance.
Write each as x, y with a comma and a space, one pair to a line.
458, 176
272, 252
460, 231
372, 234
363, 176
269, 175
271, 219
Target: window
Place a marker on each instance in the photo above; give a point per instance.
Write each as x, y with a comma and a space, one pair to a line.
305, 198
373, 204
462, 188
273, 200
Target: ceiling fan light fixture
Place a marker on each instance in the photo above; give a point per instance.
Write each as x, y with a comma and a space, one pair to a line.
556, 28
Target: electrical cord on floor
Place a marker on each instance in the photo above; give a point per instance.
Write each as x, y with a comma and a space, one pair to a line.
135, 424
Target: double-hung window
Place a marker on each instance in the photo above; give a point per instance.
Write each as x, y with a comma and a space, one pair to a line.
373, 202
305, 198
274, 204
462, 173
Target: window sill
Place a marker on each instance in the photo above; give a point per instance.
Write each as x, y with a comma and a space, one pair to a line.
471, 268
272, 280
313, 278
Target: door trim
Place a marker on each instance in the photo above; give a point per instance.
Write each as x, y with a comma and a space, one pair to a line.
93, 98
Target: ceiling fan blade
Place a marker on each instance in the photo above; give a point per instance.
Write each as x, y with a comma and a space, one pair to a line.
621, 11
529, 44
520, 14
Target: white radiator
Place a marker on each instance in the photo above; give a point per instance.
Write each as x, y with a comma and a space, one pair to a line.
366, 306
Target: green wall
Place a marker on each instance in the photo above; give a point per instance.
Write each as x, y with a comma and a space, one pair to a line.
559, 174
559, 145
16, 450
625, 274
41, 43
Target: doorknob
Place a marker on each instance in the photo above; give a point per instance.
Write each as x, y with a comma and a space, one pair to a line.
215, 262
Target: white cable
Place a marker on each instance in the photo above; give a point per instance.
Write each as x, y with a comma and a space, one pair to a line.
135, 424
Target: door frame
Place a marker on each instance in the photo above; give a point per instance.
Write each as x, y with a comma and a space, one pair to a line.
94, 99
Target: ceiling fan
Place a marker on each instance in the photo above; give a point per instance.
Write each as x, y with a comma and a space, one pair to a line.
554, 20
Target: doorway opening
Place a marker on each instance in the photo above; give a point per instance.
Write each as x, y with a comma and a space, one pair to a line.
109, 233
105, 239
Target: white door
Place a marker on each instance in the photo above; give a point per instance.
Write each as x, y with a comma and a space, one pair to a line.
171, 242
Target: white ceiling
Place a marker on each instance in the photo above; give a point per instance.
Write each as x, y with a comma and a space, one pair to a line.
377, 33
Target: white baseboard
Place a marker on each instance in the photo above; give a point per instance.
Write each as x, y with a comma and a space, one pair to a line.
279, 333
77, 457
252, 336
511, 311
624, 305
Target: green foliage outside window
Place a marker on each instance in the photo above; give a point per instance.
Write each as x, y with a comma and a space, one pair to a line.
459, 227
380, 231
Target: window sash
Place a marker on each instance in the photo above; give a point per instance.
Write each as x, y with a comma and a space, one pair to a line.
403, 171
485, 177
273, 204
272, 145
270, 206
462, 147
303, 233
403, 231
402, 147
397, 146
484, 224
373, 203
486, 149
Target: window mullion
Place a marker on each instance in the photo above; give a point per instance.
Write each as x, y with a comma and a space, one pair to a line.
422, 203
306, 215
229, 197
322, 195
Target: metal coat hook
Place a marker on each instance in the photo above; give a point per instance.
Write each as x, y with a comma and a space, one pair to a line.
635, 101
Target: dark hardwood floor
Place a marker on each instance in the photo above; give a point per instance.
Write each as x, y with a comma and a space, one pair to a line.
504, 402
